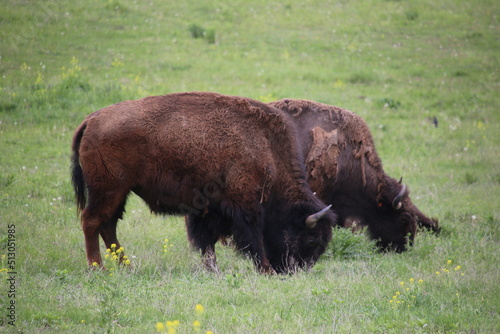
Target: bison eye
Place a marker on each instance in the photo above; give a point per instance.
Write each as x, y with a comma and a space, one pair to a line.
310, 242
380, 204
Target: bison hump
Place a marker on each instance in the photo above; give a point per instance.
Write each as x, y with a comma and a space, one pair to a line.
321, 161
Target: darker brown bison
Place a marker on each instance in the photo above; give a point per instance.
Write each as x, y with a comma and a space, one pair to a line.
231, 164
344, 169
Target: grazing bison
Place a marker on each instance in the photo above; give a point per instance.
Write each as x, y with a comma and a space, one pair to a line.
344, 169
230, 164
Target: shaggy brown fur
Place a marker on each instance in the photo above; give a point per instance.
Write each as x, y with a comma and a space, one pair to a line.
225, 161
344, 169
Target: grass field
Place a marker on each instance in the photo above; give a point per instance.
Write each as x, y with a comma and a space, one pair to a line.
398, 64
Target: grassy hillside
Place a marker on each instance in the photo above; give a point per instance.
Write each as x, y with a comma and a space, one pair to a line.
398, 64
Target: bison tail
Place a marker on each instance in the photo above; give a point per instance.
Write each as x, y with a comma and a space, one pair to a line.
77, 177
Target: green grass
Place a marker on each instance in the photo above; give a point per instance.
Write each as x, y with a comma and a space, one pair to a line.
398, 64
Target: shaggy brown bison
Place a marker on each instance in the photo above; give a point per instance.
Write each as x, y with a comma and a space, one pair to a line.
344, 169
230, 164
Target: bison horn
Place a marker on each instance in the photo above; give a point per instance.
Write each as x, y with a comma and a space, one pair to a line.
396, 202
313, 219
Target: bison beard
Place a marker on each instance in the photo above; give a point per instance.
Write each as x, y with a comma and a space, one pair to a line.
343, 168
230, 164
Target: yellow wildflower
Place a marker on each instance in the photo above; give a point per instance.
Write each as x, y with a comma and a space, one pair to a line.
117, 62
438, 273
39, 79
160, 327
199, 309
338, 84
172, 326
411, 280
457, 268
127, 262
196, 325
420, 281
95, 264
113, 246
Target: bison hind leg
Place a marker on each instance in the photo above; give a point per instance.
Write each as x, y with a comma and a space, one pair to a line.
108, 231
100, 218
90, 226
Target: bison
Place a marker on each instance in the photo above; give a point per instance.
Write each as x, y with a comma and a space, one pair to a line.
344, 169
230, 164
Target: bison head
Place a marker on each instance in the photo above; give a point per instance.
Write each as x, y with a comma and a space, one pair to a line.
299, 239
393, 223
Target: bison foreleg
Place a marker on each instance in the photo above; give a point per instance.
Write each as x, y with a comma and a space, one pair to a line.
203, 232
249, 239
209, 258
